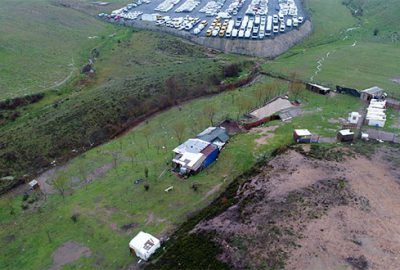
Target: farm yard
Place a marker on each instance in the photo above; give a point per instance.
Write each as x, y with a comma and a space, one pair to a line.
252, 19
108, 202
105, 145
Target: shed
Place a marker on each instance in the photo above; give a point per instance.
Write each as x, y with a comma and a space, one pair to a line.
211, 153
302, 136
354, 117
144, 245
34, 184
345, 135
318, 88
371, 93
215, 135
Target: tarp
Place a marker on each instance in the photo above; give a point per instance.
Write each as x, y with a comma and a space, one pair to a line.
144, 245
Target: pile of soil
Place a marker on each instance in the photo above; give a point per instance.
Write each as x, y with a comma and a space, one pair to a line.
304, 213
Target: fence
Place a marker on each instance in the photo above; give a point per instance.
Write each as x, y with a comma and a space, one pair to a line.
392, 103
383, 135
260, 122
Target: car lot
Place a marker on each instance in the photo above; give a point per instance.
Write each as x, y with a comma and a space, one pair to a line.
241, 19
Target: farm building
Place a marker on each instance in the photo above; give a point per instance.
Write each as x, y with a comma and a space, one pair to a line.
345, 135
318, 88
144, 245
371, 93
302, 136
196, 154
354, 117
215, 135
275, 105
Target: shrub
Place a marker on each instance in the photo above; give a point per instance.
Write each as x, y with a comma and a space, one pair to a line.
74, 217
231, 70
146, 187
25, 196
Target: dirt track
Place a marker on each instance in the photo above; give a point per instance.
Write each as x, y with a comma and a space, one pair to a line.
302, 213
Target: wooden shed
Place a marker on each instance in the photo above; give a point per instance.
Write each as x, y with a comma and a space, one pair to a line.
345, 135
318, 88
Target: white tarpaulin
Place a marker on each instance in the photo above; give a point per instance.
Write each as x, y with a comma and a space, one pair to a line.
144, 245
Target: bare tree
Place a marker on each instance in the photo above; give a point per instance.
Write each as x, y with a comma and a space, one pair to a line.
244, 105
61, 184
179, 128
296, 87
146, 133
131, 153
209, 112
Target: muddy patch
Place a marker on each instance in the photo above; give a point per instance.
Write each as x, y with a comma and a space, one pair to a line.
265, 133
45, 178
305, 213
129, 226
68, 253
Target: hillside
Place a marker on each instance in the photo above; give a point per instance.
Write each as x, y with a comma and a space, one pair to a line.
137, 74
43, 44
354, 51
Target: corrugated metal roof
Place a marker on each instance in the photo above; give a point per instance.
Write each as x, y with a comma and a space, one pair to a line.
192, 146
212, 133
373, 90
208, 150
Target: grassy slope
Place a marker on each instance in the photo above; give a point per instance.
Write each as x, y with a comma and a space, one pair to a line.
131, 74
373, 60
113, 200
42, 44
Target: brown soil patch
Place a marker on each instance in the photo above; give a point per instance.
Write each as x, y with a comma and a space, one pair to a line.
265, 131
396, 80
67, 253
302, 213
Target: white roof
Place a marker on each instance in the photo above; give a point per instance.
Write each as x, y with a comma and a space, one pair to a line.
320, 86
33, 183
144, 245
192, 146
302, 132
345, 132
190, 159
355, 114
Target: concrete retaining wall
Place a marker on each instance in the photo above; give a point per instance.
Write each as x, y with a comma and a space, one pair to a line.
268, 48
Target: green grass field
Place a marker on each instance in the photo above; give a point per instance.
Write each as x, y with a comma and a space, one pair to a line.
349, 52
136, 73
112, 200
43, 44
